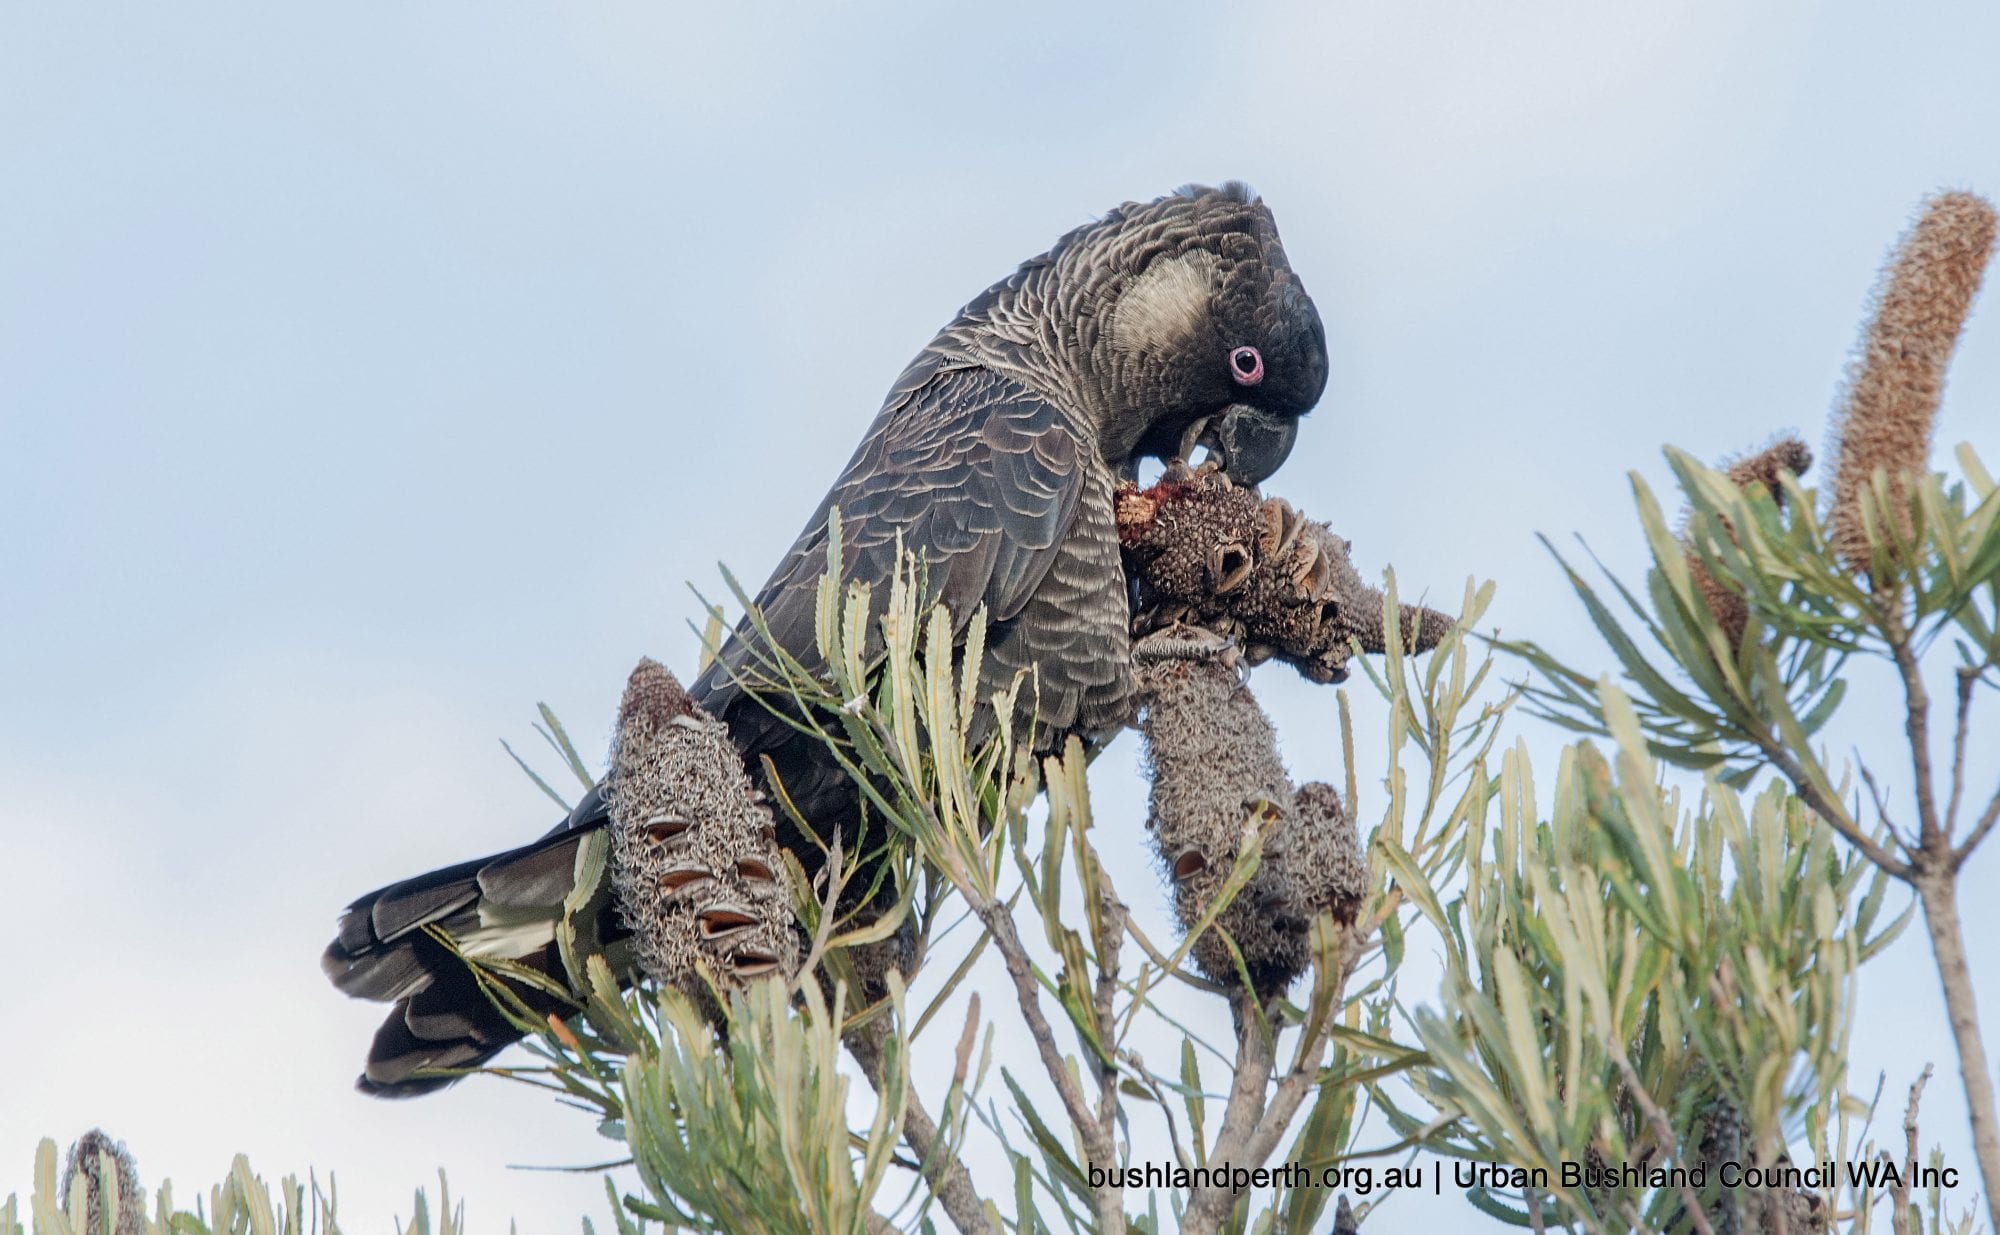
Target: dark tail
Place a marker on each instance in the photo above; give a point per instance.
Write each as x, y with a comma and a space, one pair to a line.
505, 906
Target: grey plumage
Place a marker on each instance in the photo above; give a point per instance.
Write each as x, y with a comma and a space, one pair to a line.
995, 456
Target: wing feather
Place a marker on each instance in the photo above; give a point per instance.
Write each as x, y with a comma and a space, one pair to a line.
979, 475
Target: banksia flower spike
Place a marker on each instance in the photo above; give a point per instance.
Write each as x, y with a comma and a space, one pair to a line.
1208, 553
695, 861
86, 1167
1787, 454
1216, 773
1897, 380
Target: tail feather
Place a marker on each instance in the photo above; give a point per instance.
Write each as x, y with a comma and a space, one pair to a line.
506, 905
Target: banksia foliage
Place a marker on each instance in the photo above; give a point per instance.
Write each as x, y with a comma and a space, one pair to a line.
91, 1159
694, 856
1787, 454
1208, 553
1895, 383
1216, 774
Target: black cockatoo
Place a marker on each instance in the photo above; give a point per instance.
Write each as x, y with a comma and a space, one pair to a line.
994, 457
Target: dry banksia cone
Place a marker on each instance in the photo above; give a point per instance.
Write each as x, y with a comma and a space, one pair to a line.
85, 1168
695, 861
1897, 380
1787, 454
1207, 553
1215, 768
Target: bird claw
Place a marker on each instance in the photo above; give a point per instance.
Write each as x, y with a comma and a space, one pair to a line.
1180, 641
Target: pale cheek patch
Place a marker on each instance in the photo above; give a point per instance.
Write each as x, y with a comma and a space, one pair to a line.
1166, 306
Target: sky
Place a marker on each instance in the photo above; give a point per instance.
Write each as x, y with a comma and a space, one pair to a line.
369, 373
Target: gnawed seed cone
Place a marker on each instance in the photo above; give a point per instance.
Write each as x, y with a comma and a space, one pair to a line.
1215, 768
1208, 553
695, 863
1787, 454
84, 1168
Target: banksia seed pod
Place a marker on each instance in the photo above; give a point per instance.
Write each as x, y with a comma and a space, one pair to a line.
1787, 454
1322, 855
1897, 380
695, 863
1208, 553
84, 1167
1215, 768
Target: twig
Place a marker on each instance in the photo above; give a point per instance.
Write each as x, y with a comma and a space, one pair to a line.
1968, 677
1662, 1128
1987, 819
836, 881
1142, 1076
1881, 803
949, 1181
1111, 914
1826, 809
1899, 1212
1917, 726
1097, 1141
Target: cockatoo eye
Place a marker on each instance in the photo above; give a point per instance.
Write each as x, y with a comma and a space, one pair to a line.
1246, 365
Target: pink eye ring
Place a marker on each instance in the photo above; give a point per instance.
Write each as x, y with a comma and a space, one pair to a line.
1246, 366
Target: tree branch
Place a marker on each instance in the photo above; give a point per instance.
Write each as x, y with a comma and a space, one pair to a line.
1663, 1130
1932, 840
1938, 891
1987, 819
1098, 1144
1256, 1056
1899, 1204
1826, 809
1968, 677
949, 1181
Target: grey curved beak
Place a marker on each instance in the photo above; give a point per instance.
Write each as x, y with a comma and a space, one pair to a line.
1251, 445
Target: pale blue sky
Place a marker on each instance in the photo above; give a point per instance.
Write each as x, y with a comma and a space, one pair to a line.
370, 372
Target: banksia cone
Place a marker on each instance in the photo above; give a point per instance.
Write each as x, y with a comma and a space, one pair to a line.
1215, 768
694, 856
1896, 382
1787, 454
84, 1168
1208, 553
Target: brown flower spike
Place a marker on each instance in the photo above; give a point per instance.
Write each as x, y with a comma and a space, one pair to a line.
1897, 380
694, 856
1208, 553
84, 1168
1787, 454
1215, 564
1215, 769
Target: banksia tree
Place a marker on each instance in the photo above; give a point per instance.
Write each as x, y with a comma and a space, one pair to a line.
1905, 556
1641, 977
1883, 423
